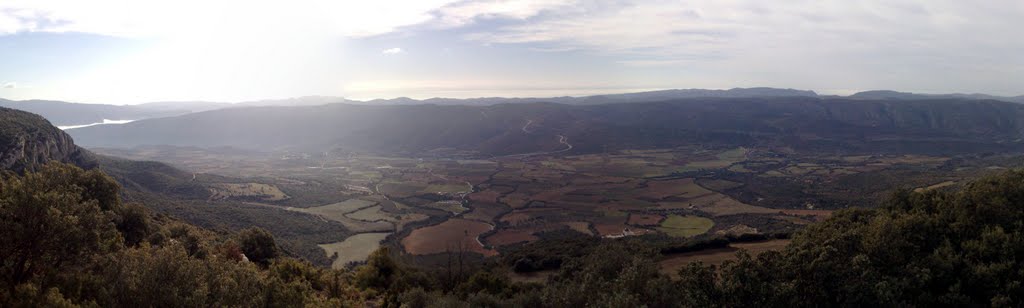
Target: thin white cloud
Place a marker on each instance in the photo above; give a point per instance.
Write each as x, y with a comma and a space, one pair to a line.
931, 45
10, 85
189, 17
914, 44
464, 13
670, 30
392, 51
475, 87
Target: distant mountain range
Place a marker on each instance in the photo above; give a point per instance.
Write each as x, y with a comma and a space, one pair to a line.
838, 125
887, 94
76, 114
604, 99
68, 114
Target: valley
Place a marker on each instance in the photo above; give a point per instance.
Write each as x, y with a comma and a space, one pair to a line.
528, 202
432, 181
427, 206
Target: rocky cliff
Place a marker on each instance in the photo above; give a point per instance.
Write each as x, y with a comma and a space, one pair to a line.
28, 141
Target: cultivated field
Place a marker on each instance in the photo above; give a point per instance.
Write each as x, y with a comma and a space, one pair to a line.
338, 210
356, 214
259, 191
672, 263
354, 248
507, 237
645, 219
680, 192
371, 214
685, 226
452, 235
935, 186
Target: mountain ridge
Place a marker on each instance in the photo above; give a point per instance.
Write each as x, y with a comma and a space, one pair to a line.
835, 124
76, 114
890, 94
67, 114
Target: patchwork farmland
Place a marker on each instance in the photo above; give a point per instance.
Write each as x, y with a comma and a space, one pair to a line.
425, 207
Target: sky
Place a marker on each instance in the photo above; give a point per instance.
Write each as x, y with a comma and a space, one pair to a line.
136, 51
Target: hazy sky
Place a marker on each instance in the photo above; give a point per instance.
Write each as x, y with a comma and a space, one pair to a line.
133, 51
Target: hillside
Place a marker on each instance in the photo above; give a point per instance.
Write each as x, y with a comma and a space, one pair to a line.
831, 125
27, 141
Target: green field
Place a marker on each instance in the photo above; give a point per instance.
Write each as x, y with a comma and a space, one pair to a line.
455, 207
723, 160
262, 191
612, 212
354, 248
372, 213
339, 209
685, 226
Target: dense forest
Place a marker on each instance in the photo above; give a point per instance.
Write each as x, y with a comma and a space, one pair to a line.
68, 240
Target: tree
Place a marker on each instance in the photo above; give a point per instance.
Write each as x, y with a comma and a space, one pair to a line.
53, 218
379, 271
258, 245
133, 223
930, 248
63, 232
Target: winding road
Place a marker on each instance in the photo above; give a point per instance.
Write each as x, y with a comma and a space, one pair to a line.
528, 122
561, 139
